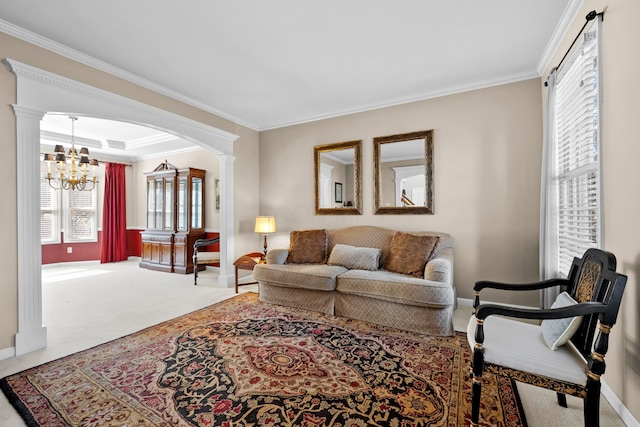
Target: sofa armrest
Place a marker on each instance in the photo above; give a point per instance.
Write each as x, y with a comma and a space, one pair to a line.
277, 256
440, 267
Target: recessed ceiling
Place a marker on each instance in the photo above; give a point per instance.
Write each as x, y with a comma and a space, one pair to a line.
109, 140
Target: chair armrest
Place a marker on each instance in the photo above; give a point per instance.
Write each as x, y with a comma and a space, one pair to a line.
485, 310
205, 242
519, 286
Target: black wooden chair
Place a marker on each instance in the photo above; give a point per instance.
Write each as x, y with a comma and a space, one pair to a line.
203, 257
505, 346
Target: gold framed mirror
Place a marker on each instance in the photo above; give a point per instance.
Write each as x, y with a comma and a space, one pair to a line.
403, 180
338, 178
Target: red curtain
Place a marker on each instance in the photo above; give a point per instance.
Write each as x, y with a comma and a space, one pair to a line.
114, 214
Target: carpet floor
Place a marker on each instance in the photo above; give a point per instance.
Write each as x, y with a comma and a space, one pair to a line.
244, 363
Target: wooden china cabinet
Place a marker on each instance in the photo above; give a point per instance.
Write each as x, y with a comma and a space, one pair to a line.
175, 218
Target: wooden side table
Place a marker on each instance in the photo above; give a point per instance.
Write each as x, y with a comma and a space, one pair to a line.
247, 262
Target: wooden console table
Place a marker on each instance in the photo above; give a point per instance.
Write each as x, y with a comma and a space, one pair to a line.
247, 262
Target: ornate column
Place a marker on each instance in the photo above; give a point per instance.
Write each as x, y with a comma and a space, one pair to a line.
32, 335
227, 221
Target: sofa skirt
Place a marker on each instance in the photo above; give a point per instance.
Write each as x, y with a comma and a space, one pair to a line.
307, 299
423, 320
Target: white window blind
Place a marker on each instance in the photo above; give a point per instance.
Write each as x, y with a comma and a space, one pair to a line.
49, 214
578, 152
81, 219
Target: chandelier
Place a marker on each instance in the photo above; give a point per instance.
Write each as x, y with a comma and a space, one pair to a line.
71, 175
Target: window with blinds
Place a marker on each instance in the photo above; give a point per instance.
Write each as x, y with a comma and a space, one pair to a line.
578, 152
80, 216
49, 214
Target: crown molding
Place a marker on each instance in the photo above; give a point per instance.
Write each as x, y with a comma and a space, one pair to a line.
422, 97
151, 140
67, 52
567, 18
167, 153
66, 139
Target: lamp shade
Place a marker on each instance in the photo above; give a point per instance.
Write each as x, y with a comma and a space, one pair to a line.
265, 224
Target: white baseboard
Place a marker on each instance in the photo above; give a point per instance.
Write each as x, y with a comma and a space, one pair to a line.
465, 302
7, 353
623, 412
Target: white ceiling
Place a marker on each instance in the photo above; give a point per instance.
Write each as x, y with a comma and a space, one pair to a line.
266, 64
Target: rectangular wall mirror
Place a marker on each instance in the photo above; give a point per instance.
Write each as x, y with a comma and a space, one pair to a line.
338, 178
403, 178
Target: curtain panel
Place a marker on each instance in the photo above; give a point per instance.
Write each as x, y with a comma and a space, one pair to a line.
114, 215
549, 199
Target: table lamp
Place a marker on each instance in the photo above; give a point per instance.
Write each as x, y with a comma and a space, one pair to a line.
265, 225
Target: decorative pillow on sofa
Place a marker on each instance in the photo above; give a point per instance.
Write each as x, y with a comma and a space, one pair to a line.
557, 332
409, 253
308, 247
355, 258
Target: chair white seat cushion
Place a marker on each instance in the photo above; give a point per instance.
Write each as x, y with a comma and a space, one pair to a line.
207, 257
521, 346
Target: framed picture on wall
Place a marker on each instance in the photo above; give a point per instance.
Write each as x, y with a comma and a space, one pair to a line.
338, 192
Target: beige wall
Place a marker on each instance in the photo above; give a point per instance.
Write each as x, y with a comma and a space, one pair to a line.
487, 147
621, 153
246, 151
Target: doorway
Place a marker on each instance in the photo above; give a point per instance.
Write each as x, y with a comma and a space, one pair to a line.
39, 92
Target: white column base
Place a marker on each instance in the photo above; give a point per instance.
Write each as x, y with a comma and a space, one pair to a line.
228, 281
31, 340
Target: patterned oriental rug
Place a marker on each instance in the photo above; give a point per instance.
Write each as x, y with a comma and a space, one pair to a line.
244, 363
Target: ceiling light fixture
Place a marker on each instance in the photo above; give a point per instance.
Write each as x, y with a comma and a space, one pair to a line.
72, 175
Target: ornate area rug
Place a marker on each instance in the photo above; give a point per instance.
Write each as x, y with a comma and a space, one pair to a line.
244, 363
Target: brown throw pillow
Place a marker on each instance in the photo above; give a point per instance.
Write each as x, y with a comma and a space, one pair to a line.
409, 253
308, 247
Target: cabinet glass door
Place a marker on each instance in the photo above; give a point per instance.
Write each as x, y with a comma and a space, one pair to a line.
182, 203
168, 204
196, 203
151, 205
159, 200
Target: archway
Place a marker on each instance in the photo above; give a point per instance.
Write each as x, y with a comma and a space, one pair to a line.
39, 92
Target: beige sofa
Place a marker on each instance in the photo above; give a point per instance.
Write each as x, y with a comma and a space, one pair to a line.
422, 304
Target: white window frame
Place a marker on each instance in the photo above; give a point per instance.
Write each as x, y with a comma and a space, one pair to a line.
580, 223
54, 209
61, 223
94, 223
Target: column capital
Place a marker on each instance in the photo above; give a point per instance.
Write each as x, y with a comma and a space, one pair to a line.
27, 112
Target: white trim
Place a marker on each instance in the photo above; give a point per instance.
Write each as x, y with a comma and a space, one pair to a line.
65, 139
7, 353
226, 279
421, 97
465, 302
617, 405
31, 334
39, 92
67, 52
567, 18
67, 96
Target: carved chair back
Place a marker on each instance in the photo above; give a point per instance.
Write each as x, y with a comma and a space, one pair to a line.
593, 278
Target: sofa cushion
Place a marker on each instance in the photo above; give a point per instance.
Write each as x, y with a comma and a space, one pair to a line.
409, 253
356, 258
308, 247
396, 287
320, 277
